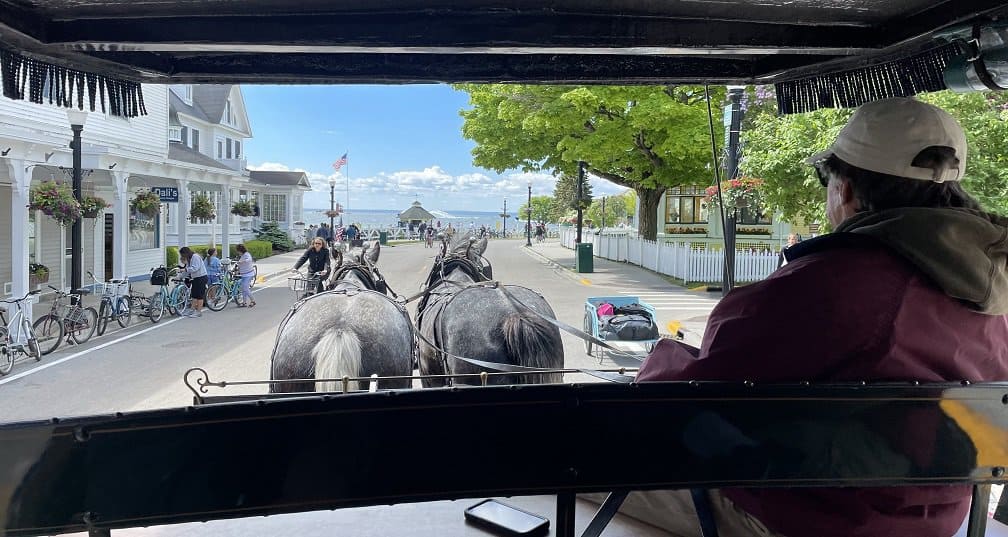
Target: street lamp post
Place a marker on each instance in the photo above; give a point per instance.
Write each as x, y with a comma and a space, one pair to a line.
77, 119
528, 217
734, 125
504, 218
580, 197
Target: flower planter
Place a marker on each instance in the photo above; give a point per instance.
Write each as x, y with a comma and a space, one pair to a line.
34, 279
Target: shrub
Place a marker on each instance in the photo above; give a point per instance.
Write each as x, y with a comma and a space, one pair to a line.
271, 232
171, 256
259, 249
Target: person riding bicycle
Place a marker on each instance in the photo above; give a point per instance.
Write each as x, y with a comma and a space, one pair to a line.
317, 257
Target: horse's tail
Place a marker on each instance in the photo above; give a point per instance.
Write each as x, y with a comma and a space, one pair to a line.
337, 354
532, 342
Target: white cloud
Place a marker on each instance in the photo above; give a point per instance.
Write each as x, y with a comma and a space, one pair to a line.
435, 186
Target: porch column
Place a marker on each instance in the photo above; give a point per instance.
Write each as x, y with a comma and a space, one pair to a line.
120, 223
225, 219
183, 213
290, 214
20, 186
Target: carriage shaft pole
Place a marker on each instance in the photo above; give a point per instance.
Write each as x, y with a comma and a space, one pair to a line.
565, 514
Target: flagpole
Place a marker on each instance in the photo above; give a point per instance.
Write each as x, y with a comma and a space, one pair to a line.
347, 174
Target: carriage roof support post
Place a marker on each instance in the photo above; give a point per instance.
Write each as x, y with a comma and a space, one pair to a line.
734, 124
580, 196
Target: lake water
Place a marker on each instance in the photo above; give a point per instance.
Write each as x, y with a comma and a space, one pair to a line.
385, 219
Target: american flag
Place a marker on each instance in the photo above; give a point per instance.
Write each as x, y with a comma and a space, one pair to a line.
340, 163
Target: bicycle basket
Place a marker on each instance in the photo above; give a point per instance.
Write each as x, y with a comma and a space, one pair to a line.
74, 314
159, 276
302, 286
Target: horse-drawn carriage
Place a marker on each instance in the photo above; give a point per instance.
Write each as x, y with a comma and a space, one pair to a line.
291, 452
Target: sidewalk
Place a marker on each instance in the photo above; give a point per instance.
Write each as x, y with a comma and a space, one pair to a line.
615, 275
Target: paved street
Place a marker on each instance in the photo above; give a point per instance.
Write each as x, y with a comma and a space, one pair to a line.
141, 367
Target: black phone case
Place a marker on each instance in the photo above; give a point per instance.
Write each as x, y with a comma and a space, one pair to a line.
542, 529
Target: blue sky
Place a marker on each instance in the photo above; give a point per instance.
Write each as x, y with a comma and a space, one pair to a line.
403, 143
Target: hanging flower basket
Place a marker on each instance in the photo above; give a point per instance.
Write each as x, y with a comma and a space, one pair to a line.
332, 214
202, 209
146, 203
92, 206
243, 208
37, 273
737, 193
56, 201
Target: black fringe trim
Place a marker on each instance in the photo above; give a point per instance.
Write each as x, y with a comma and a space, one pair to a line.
903, 77
67, 87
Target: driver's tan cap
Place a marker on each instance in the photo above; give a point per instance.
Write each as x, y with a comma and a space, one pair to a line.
885, 136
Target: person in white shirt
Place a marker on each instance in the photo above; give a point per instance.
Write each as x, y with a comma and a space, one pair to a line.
246, 271
196, 271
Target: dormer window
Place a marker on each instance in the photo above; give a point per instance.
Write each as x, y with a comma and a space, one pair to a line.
229, 117
174, 133
183, 91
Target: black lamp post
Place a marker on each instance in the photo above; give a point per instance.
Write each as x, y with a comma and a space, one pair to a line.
504, 218
528, 217
731, 167
580, 198
77, 119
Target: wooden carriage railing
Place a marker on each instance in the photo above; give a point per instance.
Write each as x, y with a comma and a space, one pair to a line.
275, 456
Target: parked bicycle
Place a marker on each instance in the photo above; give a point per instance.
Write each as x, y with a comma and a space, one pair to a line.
17, 336
115, 303
154, 306
73, 320
178, 296
226, 290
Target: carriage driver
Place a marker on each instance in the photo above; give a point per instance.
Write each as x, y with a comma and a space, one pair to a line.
911, 285
317, 256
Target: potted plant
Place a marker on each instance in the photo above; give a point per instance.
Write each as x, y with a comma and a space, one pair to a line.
243, 208
92, 206
146, 203
37, 273
737, 193
202, 209
56, 201
332, 214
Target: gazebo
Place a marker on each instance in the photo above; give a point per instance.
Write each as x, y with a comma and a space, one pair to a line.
415, 214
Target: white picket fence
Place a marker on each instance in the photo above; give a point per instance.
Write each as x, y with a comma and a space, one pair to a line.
677, 259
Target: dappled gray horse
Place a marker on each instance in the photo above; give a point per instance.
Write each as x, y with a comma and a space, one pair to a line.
483, 323
353, 329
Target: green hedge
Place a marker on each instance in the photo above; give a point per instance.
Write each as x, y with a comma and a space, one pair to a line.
259, 249
171, 256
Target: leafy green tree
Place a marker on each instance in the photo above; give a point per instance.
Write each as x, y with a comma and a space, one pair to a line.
542, 209
646, 138
775, 148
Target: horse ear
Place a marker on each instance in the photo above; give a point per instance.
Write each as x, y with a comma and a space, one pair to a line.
375, 251
480, 246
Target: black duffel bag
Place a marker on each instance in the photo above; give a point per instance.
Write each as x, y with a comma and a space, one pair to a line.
629, 328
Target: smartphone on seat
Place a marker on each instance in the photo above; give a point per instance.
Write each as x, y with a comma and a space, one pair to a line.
505, 519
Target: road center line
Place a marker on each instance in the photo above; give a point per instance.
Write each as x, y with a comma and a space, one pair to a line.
47, 365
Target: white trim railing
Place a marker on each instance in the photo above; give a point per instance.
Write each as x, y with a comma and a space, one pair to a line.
682, 260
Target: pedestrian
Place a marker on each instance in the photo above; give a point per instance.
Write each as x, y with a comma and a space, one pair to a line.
246, 271
213, 264
792, 239
195, 270
317, 256
911, 285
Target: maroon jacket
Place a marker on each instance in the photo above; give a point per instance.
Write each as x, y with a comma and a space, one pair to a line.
847, 309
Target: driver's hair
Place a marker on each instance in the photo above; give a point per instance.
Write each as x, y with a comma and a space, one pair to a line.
880, 191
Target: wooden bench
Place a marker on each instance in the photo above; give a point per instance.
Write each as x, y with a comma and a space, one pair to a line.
285, 455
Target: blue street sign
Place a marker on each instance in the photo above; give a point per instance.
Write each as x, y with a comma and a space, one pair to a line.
166, 193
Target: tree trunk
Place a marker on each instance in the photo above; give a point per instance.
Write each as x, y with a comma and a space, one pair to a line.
647, 224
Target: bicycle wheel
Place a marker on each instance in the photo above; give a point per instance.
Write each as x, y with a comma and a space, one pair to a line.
48, 331
104, 312
217, 297
156, 307
255, 275
170, 301
82, 330
588, 330
124, 311
6, 356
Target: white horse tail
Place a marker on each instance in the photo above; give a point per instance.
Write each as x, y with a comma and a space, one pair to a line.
532, 342
337, 354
